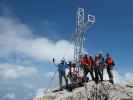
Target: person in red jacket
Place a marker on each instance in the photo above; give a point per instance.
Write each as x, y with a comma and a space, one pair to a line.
87, 63
109, 65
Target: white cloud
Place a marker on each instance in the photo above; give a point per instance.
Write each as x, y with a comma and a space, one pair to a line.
119, 78
44, 49
10, 31
17, 37
123, 78
129, 77
10, 71
10, 96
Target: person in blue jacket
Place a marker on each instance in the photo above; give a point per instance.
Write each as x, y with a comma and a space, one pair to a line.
61, 69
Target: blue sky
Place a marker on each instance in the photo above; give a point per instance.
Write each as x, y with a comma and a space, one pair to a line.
50, 23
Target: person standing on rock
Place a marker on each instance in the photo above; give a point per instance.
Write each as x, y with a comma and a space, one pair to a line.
92, 67
97, 69
101, 63
61, 69
109, 65
87, 63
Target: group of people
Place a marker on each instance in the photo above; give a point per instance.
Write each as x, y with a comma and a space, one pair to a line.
93, 65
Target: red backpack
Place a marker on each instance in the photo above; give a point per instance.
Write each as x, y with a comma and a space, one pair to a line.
110, 61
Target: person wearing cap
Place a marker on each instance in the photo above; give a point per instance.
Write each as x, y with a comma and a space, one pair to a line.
61, 69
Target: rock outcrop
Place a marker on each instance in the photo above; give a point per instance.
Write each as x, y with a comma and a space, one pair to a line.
91, 91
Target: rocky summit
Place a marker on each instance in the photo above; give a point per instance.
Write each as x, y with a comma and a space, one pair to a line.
91, 91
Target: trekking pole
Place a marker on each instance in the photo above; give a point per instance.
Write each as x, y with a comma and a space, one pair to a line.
121, 74
54, 75
52, 78
118, 71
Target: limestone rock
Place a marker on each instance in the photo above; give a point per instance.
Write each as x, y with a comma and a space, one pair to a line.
91, 91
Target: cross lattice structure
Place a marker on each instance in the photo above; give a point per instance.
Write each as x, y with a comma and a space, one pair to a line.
83, 22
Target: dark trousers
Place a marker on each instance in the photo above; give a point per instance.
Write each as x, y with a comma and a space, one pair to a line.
61, 76
109, 71
98, 73
88, 70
